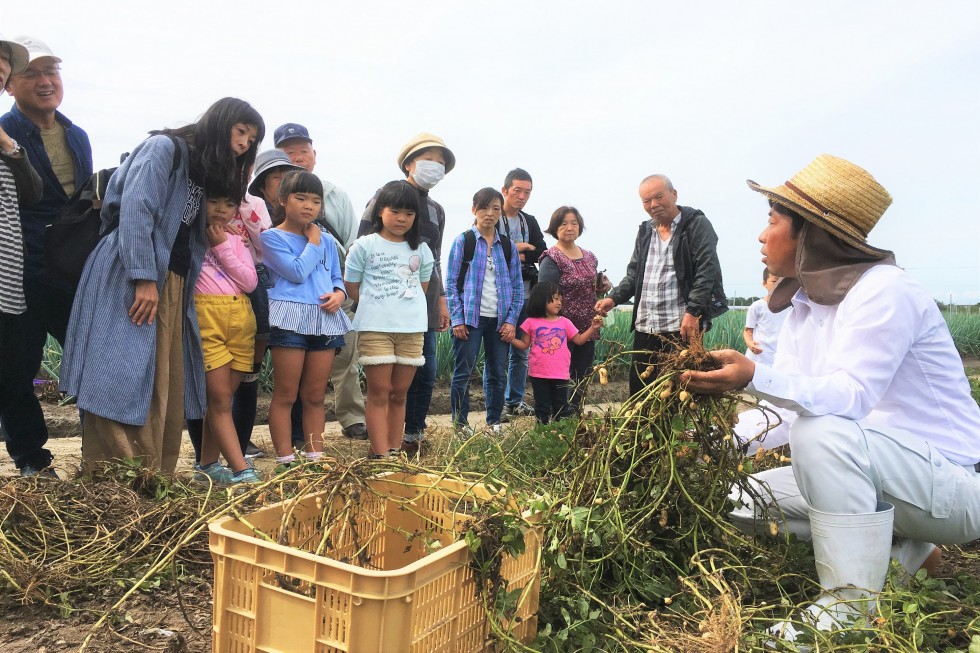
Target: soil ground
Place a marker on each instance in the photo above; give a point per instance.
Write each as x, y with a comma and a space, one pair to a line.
178, 619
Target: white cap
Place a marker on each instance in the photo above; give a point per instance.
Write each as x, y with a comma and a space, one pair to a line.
36, 48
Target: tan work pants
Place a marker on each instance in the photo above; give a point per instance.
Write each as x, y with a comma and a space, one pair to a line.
157, 442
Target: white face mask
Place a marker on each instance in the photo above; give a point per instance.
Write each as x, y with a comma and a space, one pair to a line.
428, 173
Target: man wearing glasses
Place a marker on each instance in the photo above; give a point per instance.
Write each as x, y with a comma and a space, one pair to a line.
62, 156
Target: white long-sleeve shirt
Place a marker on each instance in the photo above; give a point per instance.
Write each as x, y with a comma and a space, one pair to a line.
883, 356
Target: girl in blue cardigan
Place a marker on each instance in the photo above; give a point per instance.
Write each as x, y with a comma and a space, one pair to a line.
306, 326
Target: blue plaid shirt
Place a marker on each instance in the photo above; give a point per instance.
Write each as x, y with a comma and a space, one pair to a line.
465, 308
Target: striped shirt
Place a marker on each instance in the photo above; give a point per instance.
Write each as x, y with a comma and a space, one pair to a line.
465, 308
307, 319
12, 299
660, 305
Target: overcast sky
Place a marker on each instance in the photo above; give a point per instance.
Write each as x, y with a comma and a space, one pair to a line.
588, 97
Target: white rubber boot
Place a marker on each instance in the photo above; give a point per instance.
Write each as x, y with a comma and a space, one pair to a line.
912, 554
852, 554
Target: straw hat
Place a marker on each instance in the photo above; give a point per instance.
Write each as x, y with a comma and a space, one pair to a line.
837, 196
421, 142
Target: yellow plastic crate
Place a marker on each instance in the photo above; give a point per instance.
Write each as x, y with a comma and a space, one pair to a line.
270, 598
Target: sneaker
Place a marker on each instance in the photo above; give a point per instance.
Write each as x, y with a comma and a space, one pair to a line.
252, 451
463, 431
215, 473
412, 448
355, 432
495, 429
29, 471
284, 467
520, 410
247, 475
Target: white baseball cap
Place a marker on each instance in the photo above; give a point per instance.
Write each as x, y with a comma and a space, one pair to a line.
36, 49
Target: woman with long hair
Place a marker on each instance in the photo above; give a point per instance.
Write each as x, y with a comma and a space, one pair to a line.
133, 353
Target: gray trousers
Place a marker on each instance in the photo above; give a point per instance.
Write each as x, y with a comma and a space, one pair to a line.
841, 467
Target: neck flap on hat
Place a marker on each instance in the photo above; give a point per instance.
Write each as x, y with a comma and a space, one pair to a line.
826, 268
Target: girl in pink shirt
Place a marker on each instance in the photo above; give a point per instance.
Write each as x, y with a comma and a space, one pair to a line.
227, 326
546, 334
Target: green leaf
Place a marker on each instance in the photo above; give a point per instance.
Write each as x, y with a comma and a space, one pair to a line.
910, 608
561, 562
473, 541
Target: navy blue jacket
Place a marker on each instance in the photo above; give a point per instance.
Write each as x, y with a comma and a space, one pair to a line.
35, 217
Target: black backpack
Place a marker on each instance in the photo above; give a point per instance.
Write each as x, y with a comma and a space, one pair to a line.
69, 240
469, 248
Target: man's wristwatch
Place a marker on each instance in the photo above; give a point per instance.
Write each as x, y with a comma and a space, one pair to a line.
13, 151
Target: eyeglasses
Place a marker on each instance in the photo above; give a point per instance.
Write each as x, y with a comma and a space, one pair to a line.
51, 72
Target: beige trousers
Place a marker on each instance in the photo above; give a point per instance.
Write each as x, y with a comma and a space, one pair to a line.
346, 380
157, 442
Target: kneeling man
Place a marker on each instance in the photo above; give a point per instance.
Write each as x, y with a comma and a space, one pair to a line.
887, 439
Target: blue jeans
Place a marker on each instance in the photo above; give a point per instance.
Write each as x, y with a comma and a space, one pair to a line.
420, 392
517, 367
465, 353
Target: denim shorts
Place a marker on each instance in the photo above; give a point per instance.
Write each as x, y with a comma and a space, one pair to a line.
285, 338
259, 299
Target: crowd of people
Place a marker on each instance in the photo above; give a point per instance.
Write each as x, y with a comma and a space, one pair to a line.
212, 253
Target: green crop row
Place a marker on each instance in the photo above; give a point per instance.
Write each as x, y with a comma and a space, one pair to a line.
726, 332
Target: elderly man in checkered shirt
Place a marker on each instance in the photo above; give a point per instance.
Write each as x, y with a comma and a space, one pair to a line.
675, 278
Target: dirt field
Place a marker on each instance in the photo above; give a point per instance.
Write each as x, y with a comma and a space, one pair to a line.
175, 620
169, 620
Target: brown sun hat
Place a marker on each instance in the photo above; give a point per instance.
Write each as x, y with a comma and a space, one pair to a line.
421, 142
837, 196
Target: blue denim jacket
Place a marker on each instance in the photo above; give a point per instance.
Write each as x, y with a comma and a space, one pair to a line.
35, 217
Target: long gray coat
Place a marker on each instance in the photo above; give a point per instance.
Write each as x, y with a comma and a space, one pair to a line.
108, 361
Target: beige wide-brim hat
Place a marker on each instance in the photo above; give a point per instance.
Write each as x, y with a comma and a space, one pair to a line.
18, 55
837, 196
423, 141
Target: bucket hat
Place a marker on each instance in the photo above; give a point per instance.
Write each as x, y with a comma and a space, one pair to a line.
264, 162
18, 55
835, 195
420, 142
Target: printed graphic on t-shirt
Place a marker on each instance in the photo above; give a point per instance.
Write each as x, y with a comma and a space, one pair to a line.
393, 278
193, 205
549, 339
212, 261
